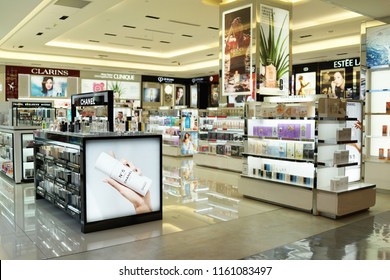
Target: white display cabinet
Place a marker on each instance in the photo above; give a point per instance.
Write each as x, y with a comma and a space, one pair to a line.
179, 128
377, 126
305, 153
221, 138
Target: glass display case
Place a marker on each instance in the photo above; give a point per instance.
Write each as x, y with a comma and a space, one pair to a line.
221, 138
179, 128
26, 113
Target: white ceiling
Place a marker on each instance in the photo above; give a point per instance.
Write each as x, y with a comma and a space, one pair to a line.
177, 38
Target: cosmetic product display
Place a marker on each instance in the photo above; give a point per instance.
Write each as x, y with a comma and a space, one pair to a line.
122, 174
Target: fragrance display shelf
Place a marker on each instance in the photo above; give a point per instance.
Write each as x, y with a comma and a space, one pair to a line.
260, 179
279, 138
279, 158
357, 197
222, 162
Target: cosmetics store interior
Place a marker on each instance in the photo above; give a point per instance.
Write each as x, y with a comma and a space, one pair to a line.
146, 130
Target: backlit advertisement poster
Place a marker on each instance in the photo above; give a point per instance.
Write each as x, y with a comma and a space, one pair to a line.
123, 177
189, 142
48, 86
305, 83
88, 85
332, 82
125, 90
236, 51
377, 45
274, 51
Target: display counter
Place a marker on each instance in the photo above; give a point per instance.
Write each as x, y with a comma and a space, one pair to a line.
104, 180
16, 152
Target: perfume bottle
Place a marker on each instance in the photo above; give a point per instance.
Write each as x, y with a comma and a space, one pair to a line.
123, 174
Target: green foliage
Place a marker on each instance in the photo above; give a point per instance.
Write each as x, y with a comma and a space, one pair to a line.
273, 48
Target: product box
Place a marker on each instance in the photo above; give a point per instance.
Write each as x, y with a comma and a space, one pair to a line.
289, 131
344, 134
339, 183
282, 149
384, 130
220, 149
305, 131
262, 131
381, 153
308, 151
290, 150
334, 108
298, 150
237, 150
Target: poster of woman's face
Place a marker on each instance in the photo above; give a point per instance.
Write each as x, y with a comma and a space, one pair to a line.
48, 86
332, 82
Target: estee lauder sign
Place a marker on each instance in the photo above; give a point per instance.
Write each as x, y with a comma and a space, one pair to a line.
350, 62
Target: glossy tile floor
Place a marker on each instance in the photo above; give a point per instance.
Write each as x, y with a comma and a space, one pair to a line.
205, 218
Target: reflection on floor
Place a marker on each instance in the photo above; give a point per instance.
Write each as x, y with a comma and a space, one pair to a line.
204, 217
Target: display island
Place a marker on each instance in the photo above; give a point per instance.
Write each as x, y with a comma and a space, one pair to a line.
104, 180
305, 153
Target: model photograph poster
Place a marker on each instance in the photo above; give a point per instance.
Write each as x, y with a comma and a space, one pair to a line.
189, 142
48, 86
236, 53
332, 82
377, 45
305, 83
274, 50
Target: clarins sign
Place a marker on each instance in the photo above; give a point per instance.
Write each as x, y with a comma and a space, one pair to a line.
49, 72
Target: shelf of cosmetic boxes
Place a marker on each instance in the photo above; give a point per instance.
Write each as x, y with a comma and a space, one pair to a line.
279, 138
336, 142
61, 187
277, 177
330, 163
308, 159
343, 119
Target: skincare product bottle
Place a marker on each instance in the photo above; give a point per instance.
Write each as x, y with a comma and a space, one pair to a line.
123, 174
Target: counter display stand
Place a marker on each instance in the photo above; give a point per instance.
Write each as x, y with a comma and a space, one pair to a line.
221, 143
293, 160
173, 125
83, 190
377, 126
17, 153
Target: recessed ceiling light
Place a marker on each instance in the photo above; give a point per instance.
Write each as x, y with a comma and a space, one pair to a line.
213, 28
152, 17
165, 42
20, 47
128, 26
210, 54
305, 36
144, 47
94, 41
39, 33
64, 17
186, 35
109, 34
